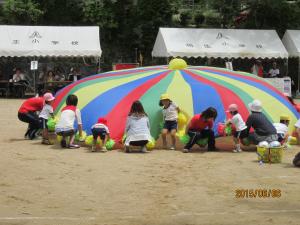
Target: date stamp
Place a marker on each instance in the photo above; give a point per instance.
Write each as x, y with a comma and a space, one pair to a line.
257, 193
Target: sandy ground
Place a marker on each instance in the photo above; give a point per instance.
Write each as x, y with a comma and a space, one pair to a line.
47, 185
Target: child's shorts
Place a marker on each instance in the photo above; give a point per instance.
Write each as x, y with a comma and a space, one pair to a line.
280, 137
170, 125
43, 123
65, 133
99, 132
241, 134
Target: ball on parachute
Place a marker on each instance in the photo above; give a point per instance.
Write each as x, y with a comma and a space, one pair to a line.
89, 140
151, 144
83, 137
184, 139
110, 144
51, 124
177, 64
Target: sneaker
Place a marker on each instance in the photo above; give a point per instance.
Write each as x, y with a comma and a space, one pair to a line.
235, 150
185, 150
46, 142
93, 148
63, 143
74, 146
172, 148
81, 139
103, 149
144, 149
127, 149
240, 150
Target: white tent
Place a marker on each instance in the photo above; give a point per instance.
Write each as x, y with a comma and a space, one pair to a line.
49, 41
223, 43
291, 41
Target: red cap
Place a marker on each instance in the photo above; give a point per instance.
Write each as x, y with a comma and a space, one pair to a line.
102, 120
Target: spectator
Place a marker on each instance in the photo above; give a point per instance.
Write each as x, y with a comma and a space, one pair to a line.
257, 69
274, 71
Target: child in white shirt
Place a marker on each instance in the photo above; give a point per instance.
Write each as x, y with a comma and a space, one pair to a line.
170, 115
65, 125
45, 114
101, 130
282, 128
240, 126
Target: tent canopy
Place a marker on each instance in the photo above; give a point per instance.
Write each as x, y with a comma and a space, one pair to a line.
215, 43
291, 41
49, 41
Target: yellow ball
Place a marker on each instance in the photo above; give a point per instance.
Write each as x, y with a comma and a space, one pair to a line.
181, 119
177, 64
151, 144
89, 140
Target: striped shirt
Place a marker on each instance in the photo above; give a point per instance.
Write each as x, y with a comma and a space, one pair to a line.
260, 124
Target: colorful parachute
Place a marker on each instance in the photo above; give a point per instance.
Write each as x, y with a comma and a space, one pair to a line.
193, 89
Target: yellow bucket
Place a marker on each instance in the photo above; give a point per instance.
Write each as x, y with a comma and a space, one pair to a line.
270, 155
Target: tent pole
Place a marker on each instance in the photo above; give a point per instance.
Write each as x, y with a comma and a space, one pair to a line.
99, 68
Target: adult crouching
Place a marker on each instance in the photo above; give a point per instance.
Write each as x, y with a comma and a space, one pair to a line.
28, 114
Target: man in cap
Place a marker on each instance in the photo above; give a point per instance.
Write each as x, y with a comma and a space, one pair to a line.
263, 128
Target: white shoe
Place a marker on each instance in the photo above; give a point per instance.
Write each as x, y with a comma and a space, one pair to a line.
172, 148
93, 148
103, 149
235, 150
185, 150
240, 150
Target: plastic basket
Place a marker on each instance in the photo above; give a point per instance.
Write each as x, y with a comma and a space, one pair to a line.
270, 155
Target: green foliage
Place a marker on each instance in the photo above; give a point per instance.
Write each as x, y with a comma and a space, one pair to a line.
129, 27
21, 12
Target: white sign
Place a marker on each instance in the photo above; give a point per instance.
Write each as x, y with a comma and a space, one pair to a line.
282, 84
34, 65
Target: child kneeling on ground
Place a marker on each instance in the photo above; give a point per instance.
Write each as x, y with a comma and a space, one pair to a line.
65, 125
200, 127
101, 130
137, 128
240, 127
282, 129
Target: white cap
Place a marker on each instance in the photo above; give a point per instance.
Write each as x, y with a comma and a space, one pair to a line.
255, 106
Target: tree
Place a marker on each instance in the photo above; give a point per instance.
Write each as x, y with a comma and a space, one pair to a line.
150, 16
21, 12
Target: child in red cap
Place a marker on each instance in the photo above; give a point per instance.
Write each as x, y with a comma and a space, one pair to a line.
101, 130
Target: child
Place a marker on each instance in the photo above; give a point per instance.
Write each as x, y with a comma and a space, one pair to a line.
137, 127
170, 115
282, 129
240, 126
101, 130
46, 112
200, 127
65, 125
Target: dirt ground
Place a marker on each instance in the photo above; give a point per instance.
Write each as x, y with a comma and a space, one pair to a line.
47, 185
